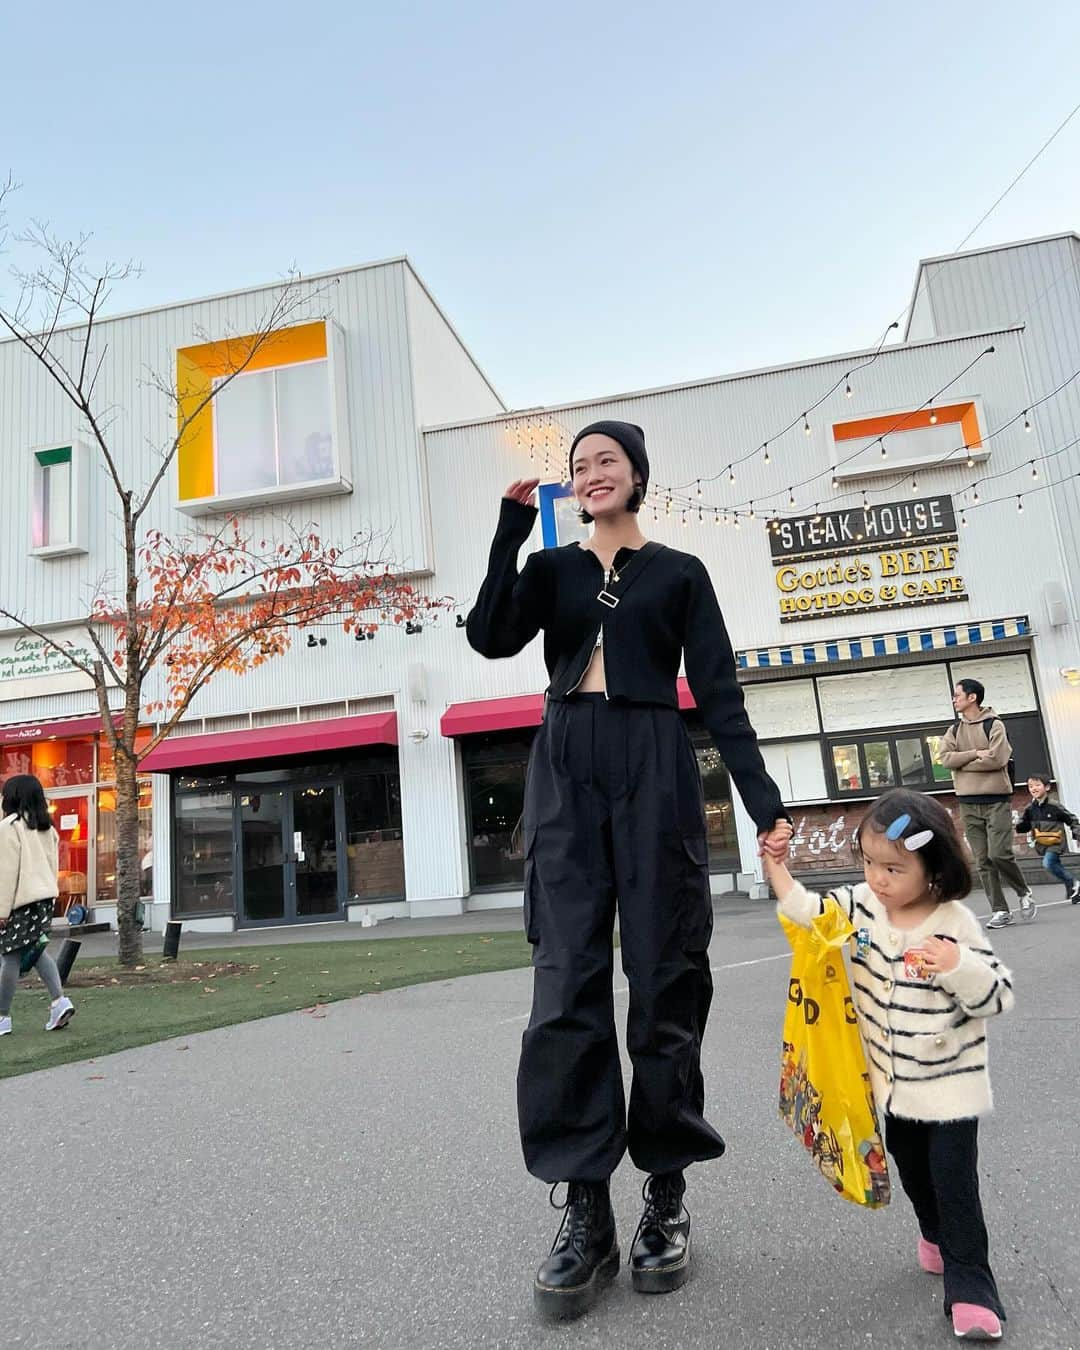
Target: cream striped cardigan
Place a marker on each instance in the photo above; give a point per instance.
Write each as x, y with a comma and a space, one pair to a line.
925, 1041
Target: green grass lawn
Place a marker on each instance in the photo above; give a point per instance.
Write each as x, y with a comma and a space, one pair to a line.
115, 1016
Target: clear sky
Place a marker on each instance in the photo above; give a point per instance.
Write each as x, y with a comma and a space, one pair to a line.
602, 196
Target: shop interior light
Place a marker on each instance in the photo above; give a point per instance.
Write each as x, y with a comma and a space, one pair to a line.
1071, 675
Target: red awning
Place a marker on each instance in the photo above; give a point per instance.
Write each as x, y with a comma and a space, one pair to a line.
492, 714
44, 731
295, 738
504, 714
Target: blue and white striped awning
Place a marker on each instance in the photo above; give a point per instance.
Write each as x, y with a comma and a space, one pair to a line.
883, 644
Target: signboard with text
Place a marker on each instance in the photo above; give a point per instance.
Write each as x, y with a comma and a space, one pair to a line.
29, 666
863, 529
895, 555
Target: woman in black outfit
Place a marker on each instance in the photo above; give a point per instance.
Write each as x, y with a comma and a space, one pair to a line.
614, 819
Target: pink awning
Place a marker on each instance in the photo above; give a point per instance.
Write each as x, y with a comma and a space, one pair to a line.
44, 731
505, 714
492, 714
296, 738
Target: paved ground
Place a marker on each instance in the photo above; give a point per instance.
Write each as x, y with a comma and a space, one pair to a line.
354, 1180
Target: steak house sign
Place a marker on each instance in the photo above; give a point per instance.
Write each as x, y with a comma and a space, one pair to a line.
891, 556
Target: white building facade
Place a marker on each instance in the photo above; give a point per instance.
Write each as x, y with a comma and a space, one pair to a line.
386, 776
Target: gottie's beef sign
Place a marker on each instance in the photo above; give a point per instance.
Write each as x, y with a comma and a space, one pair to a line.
889, 556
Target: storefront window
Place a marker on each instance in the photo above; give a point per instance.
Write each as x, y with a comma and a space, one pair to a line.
373, 841
106, 843
909, 754
719, 817
204, 853
879, 767
845, 760
106, 763
57, 763
496, 803
940, 772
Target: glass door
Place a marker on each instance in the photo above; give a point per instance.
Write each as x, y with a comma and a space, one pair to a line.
291, 846
71, 816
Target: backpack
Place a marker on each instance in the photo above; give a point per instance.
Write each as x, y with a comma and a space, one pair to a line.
986, 725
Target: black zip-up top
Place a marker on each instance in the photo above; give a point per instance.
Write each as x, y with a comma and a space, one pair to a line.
1043, 813
668, 610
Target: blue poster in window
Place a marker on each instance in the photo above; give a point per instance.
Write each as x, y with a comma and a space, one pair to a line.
559, 521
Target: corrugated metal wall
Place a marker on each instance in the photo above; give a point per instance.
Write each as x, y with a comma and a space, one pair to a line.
1037, 284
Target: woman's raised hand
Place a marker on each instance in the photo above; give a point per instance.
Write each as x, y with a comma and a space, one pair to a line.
523, 491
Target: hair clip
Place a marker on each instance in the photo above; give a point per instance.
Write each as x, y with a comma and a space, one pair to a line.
915, 841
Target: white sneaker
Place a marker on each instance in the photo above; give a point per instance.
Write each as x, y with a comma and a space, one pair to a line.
1028, 907
1001, 918
5, 1026
60, 1013
1074, 893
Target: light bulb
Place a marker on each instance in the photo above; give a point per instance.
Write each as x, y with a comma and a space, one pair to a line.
699, 487
765, 451
735, 522
730, 474
806, 424
963, 520
847, 388
1034, 470
1027, 421
884, 452
975, 494
791, 497
1019, 502
835, 483
971, 461
914, 484
933, 417
752, 516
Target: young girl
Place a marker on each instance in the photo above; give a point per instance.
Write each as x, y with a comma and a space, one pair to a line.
925, 981
1047, 820
28, 866
614, 818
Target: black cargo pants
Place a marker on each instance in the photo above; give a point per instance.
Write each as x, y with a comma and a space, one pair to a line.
614, 818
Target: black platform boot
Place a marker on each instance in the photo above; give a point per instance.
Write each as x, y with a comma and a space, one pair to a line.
660, 1256
584, 1257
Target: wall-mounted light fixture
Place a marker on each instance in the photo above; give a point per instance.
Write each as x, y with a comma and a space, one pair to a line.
1070, 674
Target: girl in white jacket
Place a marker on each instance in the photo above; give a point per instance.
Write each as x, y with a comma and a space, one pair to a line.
924, 983
28, 887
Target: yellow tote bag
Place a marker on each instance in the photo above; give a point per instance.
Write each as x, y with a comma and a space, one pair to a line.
825, 1094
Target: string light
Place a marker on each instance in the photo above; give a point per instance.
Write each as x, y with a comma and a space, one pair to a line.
791, 497
963, 520
817, 512
806, 424
765, 451
1034, 470
970, 460
847, 387
884, 452
735, 521
699, 487
1027, 421
914, 483
1019, 502
933, 415
685, 519
974, 493
835, 482
730, 474
716, 518
864, 501
752, 515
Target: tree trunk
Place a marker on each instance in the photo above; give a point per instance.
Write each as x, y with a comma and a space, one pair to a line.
127, 860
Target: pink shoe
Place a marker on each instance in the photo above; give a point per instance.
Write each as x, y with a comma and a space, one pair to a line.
930, 1257
972, 1323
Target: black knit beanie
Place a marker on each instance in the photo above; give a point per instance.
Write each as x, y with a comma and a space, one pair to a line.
629, 436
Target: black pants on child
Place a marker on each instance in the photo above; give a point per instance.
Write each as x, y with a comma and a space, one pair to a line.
614, 822
938, 1162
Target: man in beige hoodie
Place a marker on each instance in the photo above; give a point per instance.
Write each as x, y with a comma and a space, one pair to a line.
977, 751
